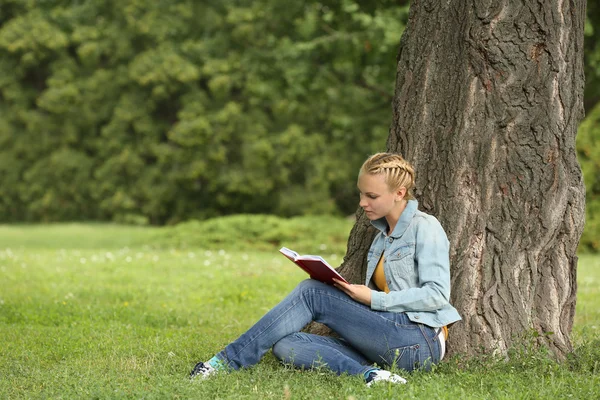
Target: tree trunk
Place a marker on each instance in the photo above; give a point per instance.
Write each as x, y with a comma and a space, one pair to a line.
488, 98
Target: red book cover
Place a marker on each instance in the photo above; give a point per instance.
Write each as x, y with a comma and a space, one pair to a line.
315, 266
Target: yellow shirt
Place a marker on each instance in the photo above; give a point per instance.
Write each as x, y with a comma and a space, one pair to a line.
379, 277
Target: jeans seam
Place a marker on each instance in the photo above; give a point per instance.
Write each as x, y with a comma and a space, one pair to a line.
430, 344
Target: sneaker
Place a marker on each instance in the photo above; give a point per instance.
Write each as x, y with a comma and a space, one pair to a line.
382, 375
202, 370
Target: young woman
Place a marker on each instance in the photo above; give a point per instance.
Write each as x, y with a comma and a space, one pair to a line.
397, 318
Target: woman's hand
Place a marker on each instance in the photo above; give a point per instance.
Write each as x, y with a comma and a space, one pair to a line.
360, 293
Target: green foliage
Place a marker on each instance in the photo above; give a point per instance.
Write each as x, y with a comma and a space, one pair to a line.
588, 148
592, 55
159, 112
588, 136
309, 234
90, 311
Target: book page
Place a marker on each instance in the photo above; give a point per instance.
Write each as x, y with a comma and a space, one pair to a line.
289, 253
292, 254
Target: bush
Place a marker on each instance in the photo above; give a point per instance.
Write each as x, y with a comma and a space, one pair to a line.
313, 234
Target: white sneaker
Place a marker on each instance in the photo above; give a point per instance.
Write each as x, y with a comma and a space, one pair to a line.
382, 375
202, 370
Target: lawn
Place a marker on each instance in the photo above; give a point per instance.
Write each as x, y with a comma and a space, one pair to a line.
104, 311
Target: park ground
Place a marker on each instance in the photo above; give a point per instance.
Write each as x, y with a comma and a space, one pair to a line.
108, 312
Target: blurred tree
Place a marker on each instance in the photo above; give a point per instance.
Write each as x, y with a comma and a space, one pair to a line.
588, 138
592, 56
588, 148
179, 109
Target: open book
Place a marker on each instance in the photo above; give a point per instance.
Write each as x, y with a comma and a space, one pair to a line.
315, 266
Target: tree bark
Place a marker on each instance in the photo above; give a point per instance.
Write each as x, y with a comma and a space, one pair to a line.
488, 98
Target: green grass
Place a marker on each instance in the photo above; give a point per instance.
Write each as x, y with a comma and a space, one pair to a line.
105, 311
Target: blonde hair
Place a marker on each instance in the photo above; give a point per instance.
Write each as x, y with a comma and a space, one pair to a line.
398, 172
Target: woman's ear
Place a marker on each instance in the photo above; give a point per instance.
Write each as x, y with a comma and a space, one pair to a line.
400, 193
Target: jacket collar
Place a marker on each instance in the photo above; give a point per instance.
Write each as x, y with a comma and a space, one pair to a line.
405, 218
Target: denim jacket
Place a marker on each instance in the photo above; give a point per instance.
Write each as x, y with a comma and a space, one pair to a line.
416, 266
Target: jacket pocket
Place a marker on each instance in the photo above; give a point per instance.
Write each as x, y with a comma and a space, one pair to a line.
407, 358
402, 260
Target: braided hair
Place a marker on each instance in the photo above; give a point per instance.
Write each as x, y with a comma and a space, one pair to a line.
398, 172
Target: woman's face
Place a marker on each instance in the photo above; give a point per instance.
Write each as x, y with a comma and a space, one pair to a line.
376, 199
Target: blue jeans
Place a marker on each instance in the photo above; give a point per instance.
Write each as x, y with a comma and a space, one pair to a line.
367, 336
